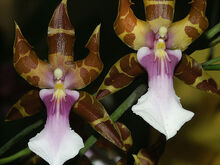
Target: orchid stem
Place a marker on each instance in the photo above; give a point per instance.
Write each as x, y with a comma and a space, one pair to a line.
19, 136
211, 67
215, 42
89, 143
19, 154
214, 60
213, 31
139, 91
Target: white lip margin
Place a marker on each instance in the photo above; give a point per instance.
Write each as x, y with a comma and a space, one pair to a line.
161, 108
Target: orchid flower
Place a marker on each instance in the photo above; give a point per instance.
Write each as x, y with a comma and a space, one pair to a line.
159, 44
58, 79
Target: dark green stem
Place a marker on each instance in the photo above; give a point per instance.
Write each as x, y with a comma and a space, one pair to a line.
19, 154
19, 136
213, 31
89, 143
215, 42
139, 91
211, 67
217, 59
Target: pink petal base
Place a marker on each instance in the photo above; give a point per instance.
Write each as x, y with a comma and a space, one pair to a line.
57, 143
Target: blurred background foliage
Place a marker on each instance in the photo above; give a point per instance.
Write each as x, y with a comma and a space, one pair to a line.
198, 142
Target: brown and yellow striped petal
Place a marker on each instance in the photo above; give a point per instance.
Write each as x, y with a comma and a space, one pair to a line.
91, 110
122, 73
192, 73
83, 72
182, 33
134, 32
159, 13
125, 135
151, 155
28, 105
61, 37
142, 159
35, 71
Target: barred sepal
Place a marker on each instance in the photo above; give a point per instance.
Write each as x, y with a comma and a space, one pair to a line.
159, 13
182, 33
125, 135
83, 72
132, 31
28, 105
61, 37
122, 73
91, 110
142, 158
151, 155
192, 73
35, 71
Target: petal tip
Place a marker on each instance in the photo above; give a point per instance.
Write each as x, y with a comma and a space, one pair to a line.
64, 2
187, 115
93, 42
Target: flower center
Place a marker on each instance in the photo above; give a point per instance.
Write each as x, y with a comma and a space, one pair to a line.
160, 49
59, 92
160, 46
58, 73
162, 32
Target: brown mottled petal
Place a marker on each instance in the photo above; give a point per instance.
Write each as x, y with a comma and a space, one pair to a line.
28, 105
132, 31
91, 110
151, 155
122, 73
61, 37
182, 33
125, 135
35, 71
159, 13
192, 73
83, 72
142, 159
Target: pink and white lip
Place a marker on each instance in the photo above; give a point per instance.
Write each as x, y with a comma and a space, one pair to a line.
57, 143
160, 107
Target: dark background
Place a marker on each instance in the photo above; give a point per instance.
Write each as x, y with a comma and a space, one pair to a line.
33, 17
